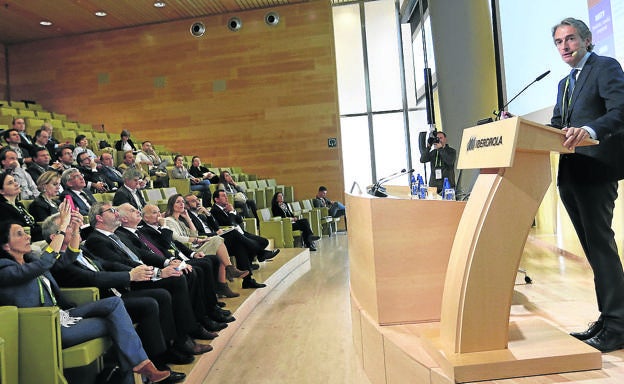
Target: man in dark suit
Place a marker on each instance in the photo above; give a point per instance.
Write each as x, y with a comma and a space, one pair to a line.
129, 192
200, 280
74, 185
41, 163
105, 245
225, 215
108, 169
150, 309
159, 238
96, 181
590, 103
42, 140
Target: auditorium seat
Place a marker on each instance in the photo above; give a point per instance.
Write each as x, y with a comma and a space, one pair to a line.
183, 186
153, 195
24, 112
59, 116
282, 233
74, 126
323, 220
32, 125
18, 104
41, 356
9, 361
56, 123
312, 216
45, 115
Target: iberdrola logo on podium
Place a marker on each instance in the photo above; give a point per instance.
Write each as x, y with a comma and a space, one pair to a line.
475, 143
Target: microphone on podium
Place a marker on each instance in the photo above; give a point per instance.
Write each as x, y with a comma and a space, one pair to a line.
499, 113
378, 190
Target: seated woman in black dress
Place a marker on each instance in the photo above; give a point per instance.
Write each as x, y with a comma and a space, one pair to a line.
280, 208
25, 281
198, 170
12, 209
46, 204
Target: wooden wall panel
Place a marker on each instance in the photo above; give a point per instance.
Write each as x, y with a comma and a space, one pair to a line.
3, 77
263, 98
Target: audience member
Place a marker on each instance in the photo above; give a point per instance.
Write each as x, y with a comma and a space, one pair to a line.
335, 208
247, 206
155, 165
129, 192
42, 140
66, 157
281, 209
198, 170
14, 141
107, 168
74, 186
197, 184
96, 181
225, 214
105, 244
10, 164
177, 219
41, 163
82, 144
46, 204
124, 144
24, 276
12, 209
129, 162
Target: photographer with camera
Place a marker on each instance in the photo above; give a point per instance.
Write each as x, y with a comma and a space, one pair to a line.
442, 159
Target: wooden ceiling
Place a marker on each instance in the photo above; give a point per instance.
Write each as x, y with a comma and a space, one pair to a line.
20, 19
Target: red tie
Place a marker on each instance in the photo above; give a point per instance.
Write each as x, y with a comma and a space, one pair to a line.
151, 245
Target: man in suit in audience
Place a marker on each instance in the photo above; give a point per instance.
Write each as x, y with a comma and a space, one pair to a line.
42, 140
107, 167
96, 181
148, 156
66, 157
26, 142
74, 185
226, 215
150, 309
159, 238
14, 142
200, 280
104, 244
41, 164
129, 192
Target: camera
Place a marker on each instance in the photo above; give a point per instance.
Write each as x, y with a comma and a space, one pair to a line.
433, 138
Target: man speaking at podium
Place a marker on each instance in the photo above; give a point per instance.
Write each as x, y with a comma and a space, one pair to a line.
590, 103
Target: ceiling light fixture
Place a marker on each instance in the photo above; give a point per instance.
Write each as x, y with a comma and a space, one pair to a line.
45, 23
159, 4
100, 13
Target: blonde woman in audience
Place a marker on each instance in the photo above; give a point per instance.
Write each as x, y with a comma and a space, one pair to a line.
46, 204
178, 221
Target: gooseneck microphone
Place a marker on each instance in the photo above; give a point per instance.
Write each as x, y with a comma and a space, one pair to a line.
378, 190
538, 78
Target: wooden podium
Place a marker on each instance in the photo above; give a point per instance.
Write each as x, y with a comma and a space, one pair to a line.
474, 340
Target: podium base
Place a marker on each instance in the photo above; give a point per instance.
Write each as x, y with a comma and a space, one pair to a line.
535, 348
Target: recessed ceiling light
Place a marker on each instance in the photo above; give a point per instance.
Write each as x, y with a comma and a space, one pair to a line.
100, 13
159, 4
45, 23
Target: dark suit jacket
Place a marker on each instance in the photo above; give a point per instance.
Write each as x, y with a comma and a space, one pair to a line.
123, 195
139, 248
110, 275
40, 209
225, 219
163, 240
104, 248
82, 207
200, 220
35, 170
598, 102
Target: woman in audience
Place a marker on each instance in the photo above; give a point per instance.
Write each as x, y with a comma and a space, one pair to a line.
25, 281
197, 184
247, 206
14, 210
81, 146
45, 205
177, 219
201, 172
125, 144
280, 208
